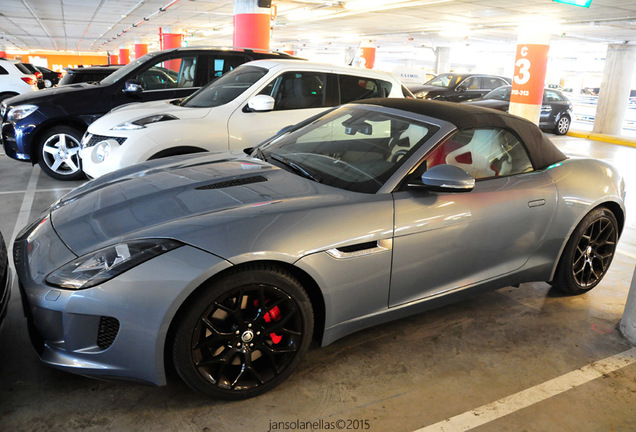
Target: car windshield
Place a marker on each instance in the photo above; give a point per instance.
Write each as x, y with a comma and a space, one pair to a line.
501, 93
356, 148
445, 80
120, 73
225, 89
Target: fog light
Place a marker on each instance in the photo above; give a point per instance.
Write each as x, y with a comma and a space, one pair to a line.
102, 150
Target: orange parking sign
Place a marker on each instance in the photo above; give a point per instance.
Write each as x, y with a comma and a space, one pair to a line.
530, 70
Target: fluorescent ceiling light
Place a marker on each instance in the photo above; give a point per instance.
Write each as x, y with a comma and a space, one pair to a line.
368, 4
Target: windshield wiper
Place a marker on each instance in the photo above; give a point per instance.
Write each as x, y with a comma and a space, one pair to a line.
299, 169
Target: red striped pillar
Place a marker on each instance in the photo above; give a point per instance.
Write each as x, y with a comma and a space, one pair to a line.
367, 55
531, 64
141, 49
113, 59
124, 55
251, 24
171, 40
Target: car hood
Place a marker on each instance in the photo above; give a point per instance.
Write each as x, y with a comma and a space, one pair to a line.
137, 111
192, 199
49, 95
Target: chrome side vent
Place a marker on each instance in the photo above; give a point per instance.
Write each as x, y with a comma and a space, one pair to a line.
361, 249
234, 182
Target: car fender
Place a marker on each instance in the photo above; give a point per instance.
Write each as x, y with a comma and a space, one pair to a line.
582, 185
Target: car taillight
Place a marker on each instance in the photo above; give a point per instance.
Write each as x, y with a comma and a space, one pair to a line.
60, 75
38, 75
29, 80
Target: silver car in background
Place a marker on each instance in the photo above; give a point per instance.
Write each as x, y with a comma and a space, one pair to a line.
228, 264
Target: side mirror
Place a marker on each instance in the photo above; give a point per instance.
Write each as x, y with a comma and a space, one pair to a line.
446, 178
261, 103
133, 87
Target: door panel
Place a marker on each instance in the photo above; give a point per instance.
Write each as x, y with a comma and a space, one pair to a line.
445, 241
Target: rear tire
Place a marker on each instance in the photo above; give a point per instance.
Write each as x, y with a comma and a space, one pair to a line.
243, 334
562, 125
588, 253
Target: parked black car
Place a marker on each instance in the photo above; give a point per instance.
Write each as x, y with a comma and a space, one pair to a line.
89, 74
51, 78
556, 109
51, 122
458, 87
38, 75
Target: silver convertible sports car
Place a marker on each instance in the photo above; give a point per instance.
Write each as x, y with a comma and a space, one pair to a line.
227, 265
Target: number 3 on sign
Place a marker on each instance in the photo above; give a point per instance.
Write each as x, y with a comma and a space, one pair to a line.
523, 74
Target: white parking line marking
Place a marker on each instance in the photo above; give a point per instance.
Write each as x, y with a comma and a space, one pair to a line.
631, 255
37, 191
25, 209
523, 399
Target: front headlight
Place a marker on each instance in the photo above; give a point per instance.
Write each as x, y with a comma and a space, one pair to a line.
142, 122
21, 111
100, 266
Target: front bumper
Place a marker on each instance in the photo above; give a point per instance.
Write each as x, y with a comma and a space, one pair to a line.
114, 330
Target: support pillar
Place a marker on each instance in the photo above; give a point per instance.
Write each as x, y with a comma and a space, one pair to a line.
124, 55
367, 55
113, 59
528, 82
252, 24
3, 52
628, 323
141, 49
620, 63
171, 40
442, 60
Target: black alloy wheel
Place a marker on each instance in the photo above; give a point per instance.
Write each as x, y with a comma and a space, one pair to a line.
244, 334
589, 253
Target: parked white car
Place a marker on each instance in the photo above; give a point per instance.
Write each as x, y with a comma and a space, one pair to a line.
247, 105
15, 79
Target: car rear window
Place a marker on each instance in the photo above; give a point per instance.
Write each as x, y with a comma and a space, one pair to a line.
22, 68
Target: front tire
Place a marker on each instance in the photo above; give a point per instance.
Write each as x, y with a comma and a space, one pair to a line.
243, 334
58, 153
588, 253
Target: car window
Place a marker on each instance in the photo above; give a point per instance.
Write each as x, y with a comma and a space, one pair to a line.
471, 83
445, 80
22, 68
3, 71
353, 88
298, 90
551, 96
173, 73
221, 65
352, 148
226, 88
492, 82
483, 153
502, 93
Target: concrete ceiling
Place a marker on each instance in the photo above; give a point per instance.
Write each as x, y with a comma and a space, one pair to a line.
105, 25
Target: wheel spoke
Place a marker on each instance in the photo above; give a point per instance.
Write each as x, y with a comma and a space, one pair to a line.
56, 165
71, 164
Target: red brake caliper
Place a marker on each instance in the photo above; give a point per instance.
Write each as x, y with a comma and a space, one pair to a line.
273, 315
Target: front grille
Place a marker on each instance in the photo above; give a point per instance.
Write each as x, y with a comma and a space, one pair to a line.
234, 182
108, 329
94, 139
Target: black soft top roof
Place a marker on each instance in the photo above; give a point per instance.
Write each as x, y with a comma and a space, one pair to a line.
542, 151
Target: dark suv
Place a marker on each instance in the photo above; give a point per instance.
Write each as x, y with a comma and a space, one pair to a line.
90, 74
46, 127
458, 87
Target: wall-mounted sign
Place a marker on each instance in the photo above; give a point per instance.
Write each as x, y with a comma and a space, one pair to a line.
582, 3
529, 77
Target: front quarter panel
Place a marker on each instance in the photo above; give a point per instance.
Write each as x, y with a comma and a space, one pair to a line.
582, 185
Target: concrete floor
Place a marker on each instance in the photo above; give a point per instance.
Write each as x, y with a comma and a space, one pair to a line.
399, 377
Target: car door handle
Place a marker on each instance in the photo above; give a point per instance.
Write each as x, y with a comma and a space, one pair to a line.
536, 203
